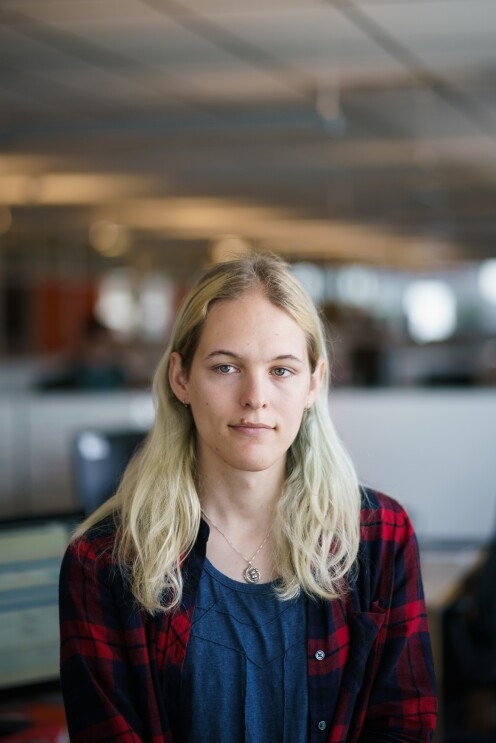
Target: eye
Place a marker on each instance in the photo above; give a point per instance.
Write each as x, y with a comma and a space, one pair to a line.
281, 371
225, 368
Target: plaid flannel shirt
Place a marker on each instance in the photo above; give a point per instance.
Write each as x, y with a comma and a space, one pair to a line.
370, 671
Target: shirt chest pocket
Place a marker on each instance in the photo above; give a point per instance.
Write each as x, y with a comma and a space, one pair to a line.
367, 632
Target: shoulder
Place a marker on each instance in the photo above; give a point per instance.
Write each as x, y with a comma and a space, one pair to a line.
388, 552
90, 574
381, 516
95, 546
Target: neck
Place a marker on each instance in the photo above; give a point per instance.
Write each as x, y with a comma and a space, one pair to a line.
240, 509
249, 496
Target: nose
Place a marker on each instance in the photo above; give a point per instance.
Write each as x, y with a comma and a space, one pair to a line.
254, 392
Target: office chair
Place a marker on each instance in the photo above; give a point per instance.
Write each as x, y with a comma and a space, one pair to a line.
469, 650
99, 459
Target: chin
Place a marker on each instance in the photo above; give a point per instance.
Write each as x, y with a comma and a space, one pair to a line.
251, 464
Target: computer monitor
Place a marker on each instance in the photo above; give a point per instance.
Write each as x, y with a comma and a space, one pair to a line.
31, 551
99, 460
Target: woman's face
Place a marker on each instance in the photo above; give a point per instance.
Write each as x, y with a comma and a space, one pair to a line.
249, 383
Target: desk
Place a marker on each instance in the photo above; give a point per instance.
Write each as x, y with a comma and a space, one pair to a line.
443, 572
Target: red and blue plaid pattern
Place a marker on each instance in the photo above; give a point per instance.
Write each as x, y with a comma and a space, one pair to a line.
370, 670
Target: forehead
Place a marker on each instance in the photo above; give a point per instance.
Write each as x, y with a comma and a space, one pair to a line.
251, 320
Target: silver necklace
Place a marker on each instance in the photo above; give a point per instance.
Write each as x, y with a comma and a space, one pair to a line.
251, 574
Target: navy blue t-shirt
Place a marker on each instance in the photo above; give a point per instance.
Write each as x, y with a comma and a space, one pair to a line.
245, 673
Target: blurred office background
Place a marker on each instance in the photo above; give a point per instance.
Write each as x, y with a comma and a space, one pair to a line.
140, 140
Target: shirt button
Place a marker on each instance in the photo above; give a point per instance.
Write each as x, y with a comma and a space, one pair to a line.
322, 725
320, 655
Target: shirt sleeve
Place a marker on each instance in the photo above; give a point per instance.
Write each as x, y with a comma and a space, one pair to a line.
104, 669
403, 702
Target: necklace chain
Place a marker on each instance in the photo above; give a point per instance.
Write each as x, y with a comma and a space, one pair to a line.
251, 574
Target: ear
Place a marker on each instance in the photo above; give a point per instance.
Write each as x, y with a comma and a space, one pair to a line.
316, 380
178, 379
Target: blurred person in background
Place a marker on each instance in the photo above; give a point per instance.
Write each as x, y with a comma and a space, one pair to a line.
241, 585
94, 364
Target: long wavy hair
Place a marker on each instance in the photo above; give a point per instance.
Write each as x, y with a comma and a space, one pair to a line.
157, 509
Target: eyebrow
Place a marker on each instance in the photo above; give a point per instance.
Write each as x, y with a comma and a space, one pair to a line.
233, 355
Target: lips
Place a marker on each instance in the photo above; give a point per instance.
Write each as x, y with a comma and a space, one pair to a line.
252, 425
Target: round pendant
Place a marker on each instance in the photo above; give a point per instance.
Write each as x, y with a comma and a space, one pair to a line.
251, 574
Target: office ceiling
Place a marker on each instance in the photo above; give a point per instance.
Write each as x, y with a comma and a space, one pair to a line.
334, 130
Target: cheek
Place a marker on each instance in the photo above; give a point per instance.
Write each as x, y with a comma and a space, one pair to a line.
293, 416
206, 410
294, 403
297, 423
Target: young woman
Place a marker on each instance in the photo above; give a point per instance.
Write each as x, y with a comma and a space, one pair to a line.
241, 586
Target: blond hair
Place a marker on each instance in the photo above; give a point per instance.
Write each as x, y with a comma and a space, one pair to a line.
157, 508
